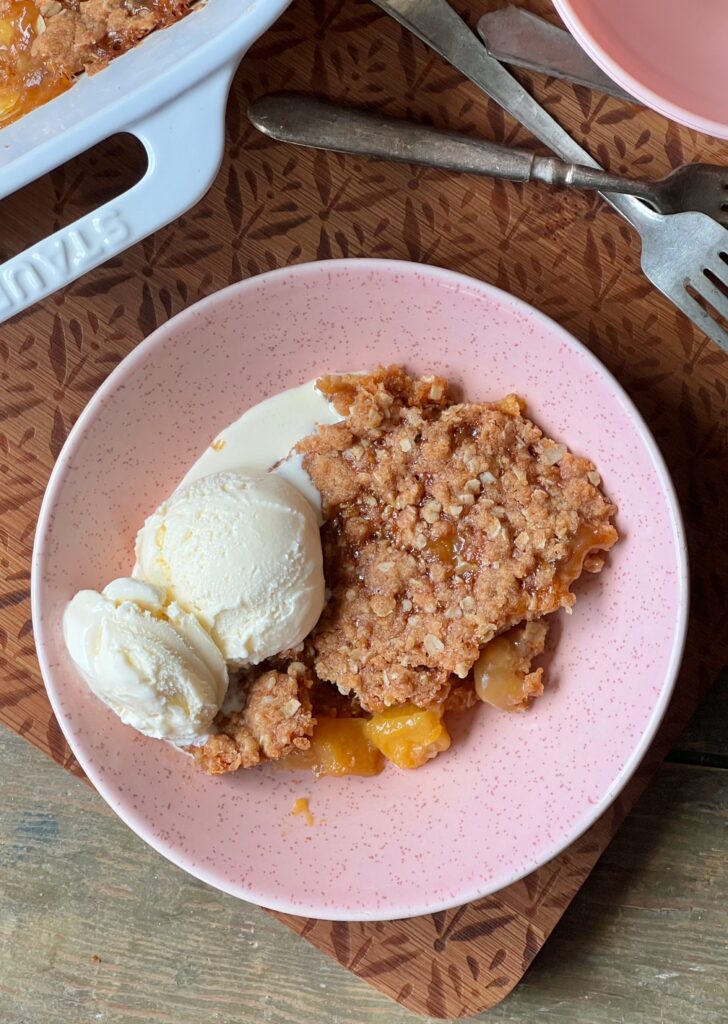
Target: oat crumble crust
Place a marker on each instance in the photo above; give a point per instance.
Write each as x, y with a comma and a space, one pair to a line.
86, 35
275, 720
445, 525
530, 642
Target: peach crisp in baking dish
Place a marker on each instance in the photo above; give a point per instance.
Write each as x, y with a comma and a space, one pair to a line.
45, 44
451, 531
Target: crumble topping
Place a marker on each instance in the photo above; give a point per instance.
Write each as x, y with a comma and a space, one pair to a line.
446, 525
45, 44
85, 36
527, 643
276, 719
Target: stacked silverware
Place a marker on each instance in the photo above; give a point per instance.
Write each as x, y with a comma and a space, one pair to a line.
680, 218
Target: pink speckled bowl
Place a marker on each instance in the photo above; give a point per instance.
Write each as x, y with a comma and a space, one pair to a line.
669, 54
513, 790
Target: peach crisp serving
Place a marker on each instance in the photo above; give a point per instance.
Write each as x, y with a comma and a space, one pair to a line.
451, 531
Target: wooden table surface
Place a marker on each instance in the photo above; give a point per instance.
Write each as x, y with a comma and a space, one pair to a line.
95, 926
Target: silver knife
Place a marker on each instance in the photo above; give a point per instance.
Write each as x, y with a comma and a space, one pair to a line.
524, 40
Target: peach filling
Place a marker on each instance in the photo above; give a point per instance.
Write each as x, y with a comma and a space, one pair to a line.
340, 746
503, 674
498, 680
408, 736
588, 540
24, 84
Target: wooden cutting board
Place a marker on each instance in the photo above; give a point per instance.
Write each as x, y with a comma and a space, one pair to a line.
273, 205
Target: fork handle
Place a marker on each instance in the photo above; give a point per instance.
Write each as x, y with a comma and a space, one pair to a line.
553, 171
306, 121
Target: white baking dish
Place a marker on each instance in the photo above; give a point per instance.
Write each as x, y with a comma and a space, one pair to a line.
171, 92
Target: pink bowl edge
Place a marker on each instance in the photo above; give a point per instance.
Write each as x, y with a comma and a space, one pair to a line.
683, 116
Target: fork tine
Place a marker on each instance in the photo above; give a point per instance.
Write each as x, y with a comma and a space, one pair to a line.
712, 294
692, 308
719, 268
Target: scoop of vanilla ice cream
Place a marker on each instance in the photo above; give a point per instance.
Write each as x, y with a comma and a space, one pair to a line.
244, 554
150, 662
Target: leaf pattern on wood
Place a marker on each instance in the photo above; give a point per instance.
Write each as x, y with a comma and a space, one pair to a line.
438, 919
322, 176
360, 953
14, 598
59, 433
531, 947
340, 941
273, 205
384, 966
441, 941
13, 409
497, 960
436, 1002
412, 231
146, 317
482, 928
60, 749
405, 992
233, 200
454, 976
57, 349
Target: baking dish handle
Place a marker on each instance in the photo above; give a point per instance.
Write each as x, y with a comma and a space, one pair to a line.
184, 141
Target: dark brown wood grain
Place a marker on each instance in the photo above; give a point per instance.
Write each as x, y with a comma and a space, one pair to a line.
274, 205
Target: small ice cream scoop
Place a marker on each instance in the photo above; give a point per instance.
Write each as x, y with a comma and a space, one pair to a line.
150, 661
244, 555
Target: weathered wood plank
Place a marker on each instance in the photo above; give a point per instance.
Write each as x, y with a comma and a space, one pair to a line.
645, 939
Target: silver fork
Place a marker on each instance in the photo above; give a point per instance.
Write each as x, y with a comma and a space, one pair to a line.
685, 255
307, 121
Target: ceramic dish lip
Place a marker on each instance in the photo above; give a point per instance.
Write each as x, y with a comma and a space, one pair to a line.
456, 281
641, 92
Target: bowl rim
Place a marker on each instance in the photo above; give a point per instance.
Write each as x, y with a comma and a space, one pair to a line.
686, 116
457, 281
